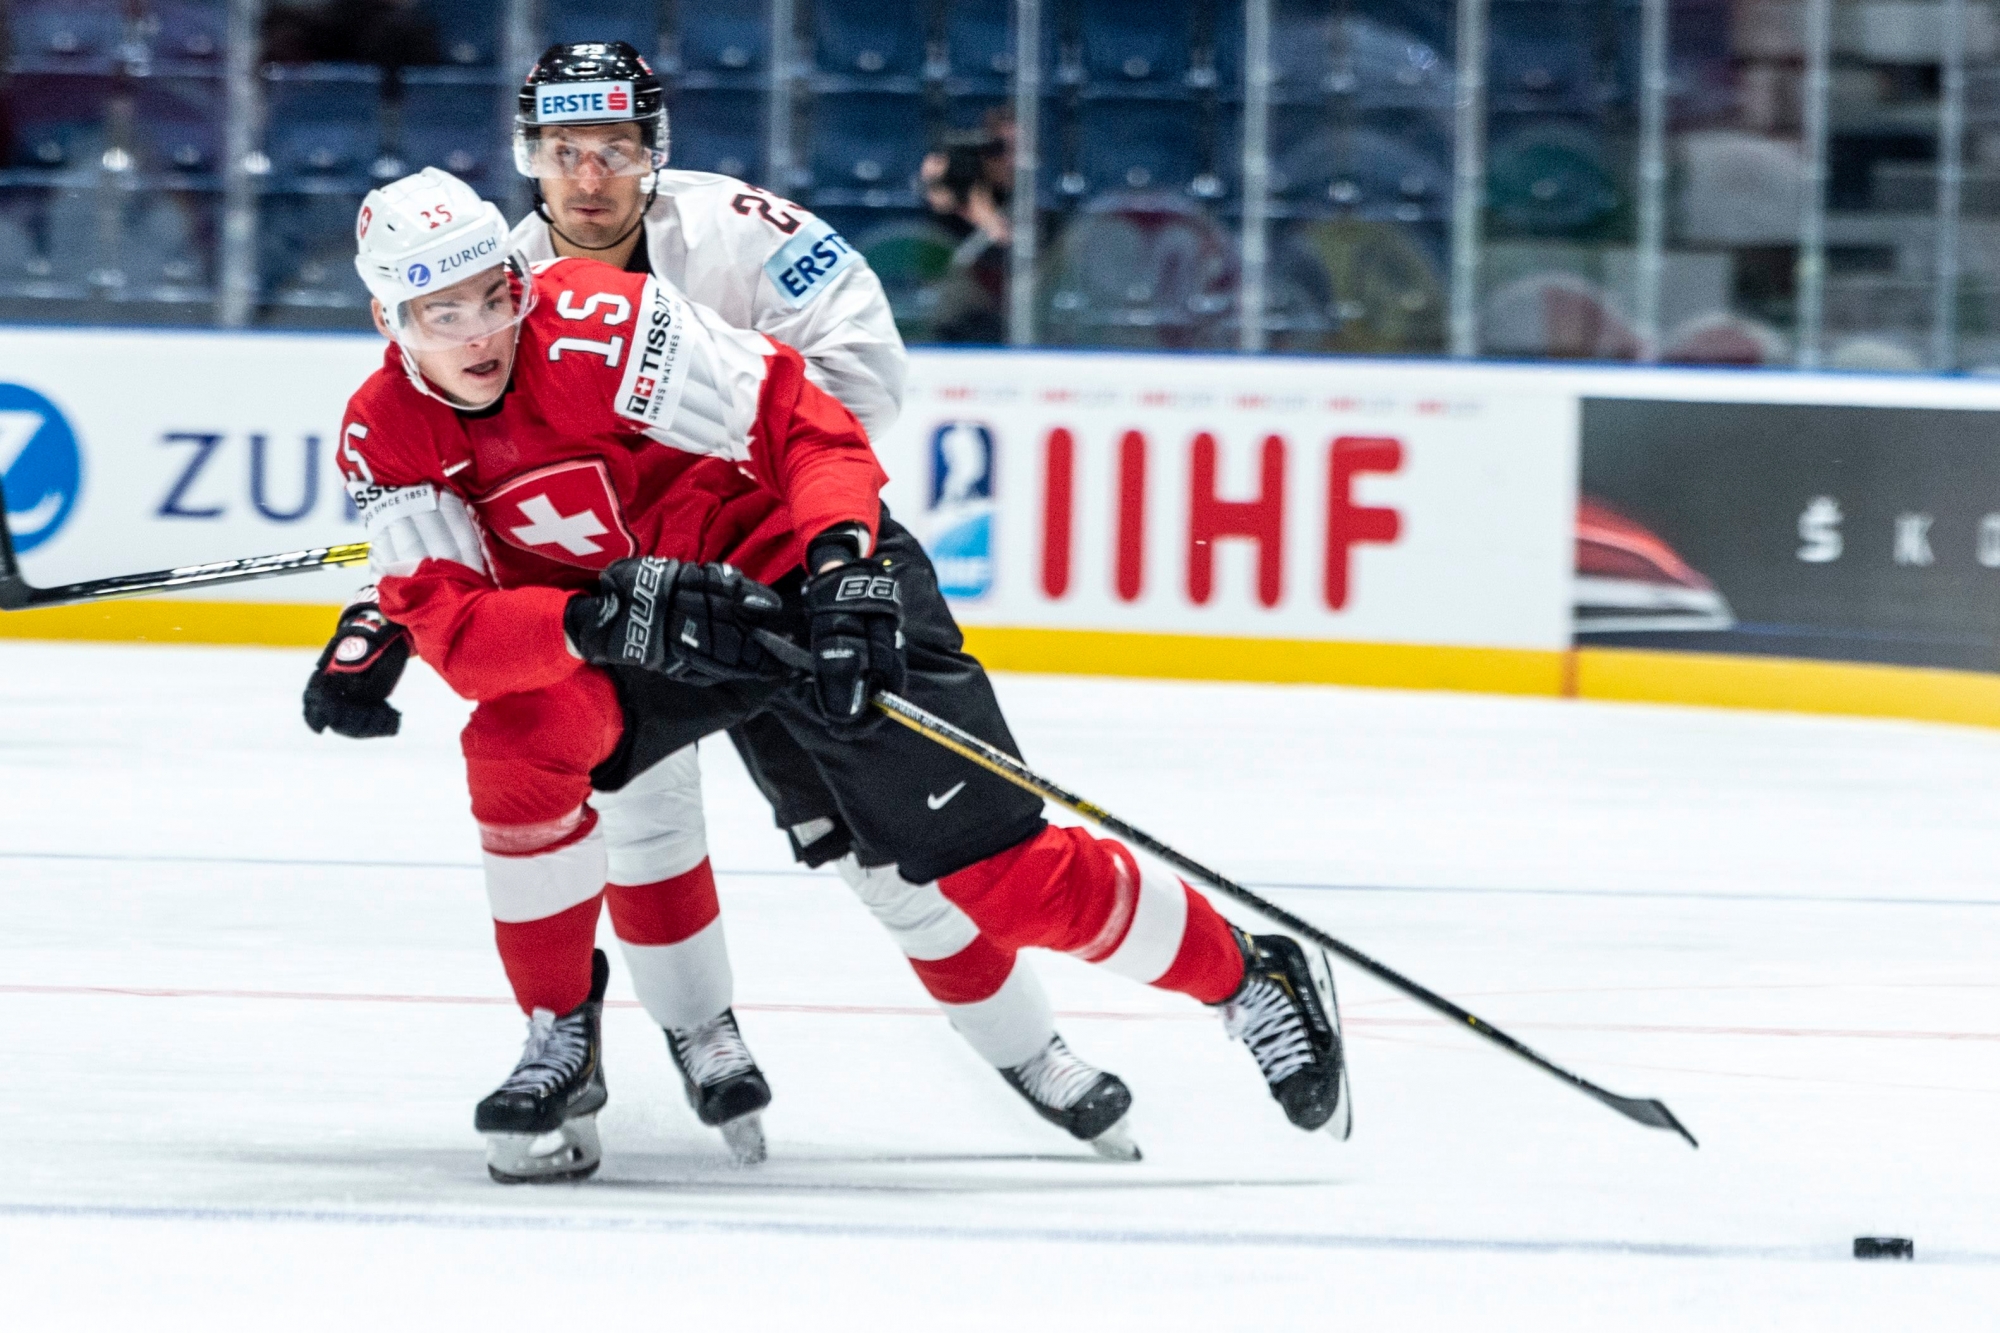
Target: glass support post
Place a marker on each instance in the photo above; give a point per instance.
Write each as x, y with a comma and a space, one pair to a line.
1811, 272
1950, 188
1468, 182
779, 150
1652, 176
242, 164
520, 47
1255, 240
1023, 222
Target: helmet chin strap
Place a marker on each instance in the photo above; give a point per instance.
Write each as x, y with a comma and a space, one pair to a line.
542, 212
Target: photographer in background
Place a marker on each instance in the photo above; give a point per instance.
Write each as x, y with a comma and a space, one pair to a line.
967, 181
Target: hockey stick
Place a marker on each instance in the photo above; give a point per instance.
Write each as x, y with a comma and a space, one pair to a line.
1646, 1110
17, 594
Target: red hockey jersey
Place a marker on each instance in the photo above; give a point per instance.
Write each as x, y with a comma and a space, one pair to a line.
636, 423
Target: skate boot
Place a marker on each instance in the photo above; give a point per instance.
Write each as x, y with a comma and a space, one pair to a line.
541, 1124
724, 1085
1285, 1012
1079, 1098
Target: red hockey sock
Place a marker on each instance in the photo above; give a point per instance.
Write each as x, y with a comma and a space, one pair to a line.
1066, 890
667, 912
548, 959
974, 973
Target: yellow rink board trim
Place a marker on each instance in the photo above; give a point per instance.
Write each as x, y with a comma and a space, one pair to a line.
164, 620
1718, 680
1789, 684
1284, 661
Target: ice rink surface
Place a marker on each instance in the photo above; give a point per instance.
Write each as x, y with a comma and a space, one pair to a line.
248, 998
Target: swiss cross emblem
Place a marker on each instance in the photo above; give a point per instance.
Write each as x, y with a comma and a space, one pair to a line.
567, 512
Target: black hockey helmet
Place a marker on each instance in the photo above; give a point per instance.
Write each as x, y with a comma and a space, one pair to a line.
590, 83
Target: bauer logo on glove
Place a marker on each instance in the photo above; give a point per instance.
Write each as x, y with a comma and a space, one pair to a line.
704, 635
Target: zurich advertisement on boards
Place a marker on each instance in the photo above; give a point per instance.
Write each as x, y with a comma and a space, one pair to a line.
41, 466
1867, 534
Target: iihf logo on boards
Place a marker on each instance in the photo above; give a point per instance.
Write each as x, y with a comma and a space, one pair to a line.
39, 464
958, 522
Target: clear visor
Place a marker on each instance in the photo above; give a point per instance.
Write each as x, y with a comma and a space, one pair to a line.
575, 152
489, 303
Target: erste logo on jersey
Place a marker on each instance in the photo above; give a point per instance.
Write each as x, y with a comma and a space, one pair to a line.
566, 512
807, 264
561, 103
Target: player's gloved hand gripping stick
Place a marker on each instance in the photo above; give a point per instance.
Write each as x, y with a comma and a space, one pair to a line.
855, 617
1647, 1111
688, 622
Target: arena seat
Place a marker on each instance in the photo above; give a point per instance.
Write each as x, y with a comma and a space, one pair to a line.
1139, 145
634, 21
718, 131
724, 36
1371, 171
869, 38
1140, 270
189, 29
68, 33
58, 119
1136, 42
1541, 56
449, 122
177, 125
979, 38
468, 30
322, 121
867, 141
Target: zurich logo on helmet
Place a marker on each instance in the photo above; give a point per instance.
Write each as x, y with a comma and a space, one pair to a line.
40, 464
420, 275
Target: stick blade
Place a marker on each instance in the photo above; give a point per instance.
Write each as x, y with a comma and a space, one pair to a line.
1648, 1111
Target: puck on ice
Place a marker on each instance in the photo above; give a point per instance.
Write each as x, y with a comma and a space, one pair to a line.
1884, 1247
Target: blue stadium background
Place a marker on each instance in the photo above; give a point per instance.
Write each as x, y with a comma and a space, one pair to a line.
115, 131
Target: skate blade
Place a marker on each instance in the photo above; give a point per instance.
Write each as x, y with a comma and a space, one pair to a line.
745, 1137
1116, 1143
1341, 1125
569, 1153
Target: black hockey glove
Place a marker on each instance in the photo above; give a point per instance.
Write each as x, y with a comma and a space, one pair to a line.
857, 629
350, 687
688, 622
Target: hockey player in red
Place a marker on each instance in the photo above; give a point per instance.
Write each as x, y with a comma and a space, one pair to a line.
583, 494
592, 132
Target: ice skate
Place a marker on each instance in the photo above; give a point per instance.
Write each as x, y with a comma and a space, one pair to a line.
1285, 1012
724, 1085
1084, 1101
541, 1124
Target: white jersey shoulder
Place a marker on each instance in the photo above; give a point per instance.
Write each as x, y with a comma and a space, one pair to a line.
760, 262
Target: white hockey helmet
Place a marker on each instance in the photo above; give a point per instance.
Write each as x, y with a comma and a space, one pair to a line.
425, 234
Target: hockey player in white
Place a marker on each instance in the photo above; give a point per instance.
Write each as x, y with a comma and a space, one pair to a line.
592, 133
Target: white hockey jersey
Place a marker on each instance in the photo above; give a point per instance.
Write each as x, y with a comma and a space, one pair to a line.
766, 264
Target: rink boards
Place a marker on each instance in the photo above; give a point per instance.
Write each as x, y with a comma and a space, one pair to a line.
1820, 542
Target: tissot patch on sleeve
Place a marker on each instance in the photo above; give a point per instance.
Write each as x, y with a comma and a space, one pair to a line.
650, 389
380, 505
807, 264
